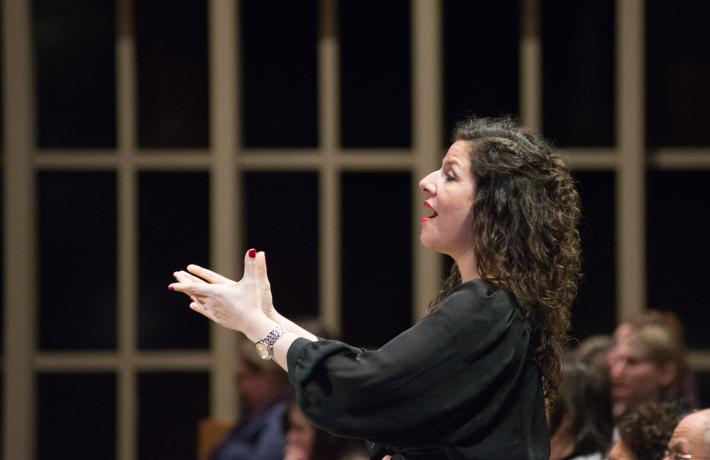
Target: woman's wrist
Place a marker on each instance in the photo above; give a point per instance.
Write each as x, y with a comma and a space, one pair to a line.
259, 327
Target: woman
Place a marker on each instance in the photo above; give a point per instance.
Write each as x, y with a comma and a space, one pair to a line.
646, 365
469, 380
657, 335
306, 442
581, 423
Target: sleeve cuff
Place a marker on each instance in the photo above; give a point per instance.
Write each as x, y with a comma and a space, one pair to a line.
292, 357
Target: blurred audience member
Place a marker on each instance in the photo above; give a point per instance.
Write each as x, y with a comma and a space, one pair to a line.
263, 391
691, 438
306, 442
593, 351
667, 319
645, 431
686, 386
646, 364
580, 423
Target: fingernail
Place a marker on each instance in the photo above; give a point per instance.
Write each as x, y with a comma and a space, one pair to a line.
252, 253
171, 287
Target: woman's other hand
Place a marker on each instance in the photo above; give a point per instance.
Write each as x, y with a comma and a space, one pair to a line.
225, 302
199, 274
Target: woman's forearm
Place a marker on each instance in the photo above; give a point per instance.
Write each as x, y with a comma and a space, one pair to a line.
293, 327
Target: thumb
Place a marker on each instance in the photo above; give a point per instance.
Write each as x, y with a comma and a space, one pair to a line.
262, 277
249, 265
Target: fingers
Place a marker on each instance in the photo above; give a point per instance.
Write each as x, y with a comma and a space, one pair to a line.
190, 288
261, 275
195, 290
183, 276
249, 264
208, 275
262, 281
202, 309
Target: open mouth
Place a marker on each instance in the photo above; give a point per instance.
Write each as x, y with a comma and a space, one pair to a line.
433, 215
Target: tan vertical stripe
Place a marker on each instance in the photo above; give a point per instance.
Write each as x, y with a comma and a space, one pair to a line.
630, 176
225, 180
427, 139
19, 254
530, 82
329, 177
127, 401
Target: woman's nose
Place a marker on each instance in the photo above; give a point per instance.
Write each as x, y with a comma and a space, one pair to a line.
616, 369
427, 185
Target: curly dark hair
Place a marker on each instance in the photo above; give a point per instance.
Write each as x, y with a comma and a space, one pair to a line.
647, 429
524, 231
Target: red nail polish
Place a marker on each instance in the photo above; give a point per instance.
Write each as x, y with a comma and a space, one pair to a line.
252, 253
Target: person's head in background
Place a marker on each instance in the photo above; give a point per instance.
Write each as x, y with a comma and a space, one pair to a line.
594, 351
691, 438
645, 431
667, 319
259, 382
306, 442
646, 364
581, 422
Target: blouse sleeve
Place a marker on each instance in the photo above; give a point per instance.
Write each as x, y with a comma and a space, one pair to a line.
450, 375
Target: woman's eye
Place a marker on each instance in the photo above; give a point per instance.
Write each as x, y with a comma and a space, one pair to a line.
449, 177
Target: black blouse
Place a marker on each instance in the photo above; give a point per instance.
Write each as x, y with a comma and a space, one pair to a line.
460, 384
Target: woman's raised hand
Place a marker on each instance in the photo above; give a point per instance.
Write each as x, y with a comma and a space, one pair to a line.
224, 301
199, 274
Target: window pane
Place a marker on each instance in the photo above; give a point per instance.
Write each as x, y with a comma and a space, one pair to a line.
480, 59
703, 381
2, 264
376, 257
76, 416
595, 307
678, 248
279, 89
375, 72
75, 73
171, 42
289, 237
677, 73
2, 83
170, 405
578, 72
77, 260
173, 232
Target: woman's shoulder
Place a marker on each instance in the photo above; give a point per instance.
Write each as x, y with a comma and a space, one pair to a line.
480, 296
477, 307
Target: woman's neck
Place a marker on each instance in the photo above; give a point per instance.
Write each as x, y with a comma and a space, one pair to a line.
467, 266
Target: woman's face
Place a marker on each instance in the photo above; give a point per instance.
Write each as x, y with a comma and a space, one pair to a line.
450, 191
300, 436
634, 378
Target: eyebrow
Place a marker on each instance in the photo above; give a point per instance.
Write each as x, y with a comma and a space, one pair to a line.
451, 161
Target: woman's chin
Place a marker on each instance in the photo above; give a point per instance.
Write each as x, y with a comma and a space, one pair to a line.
426, 242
